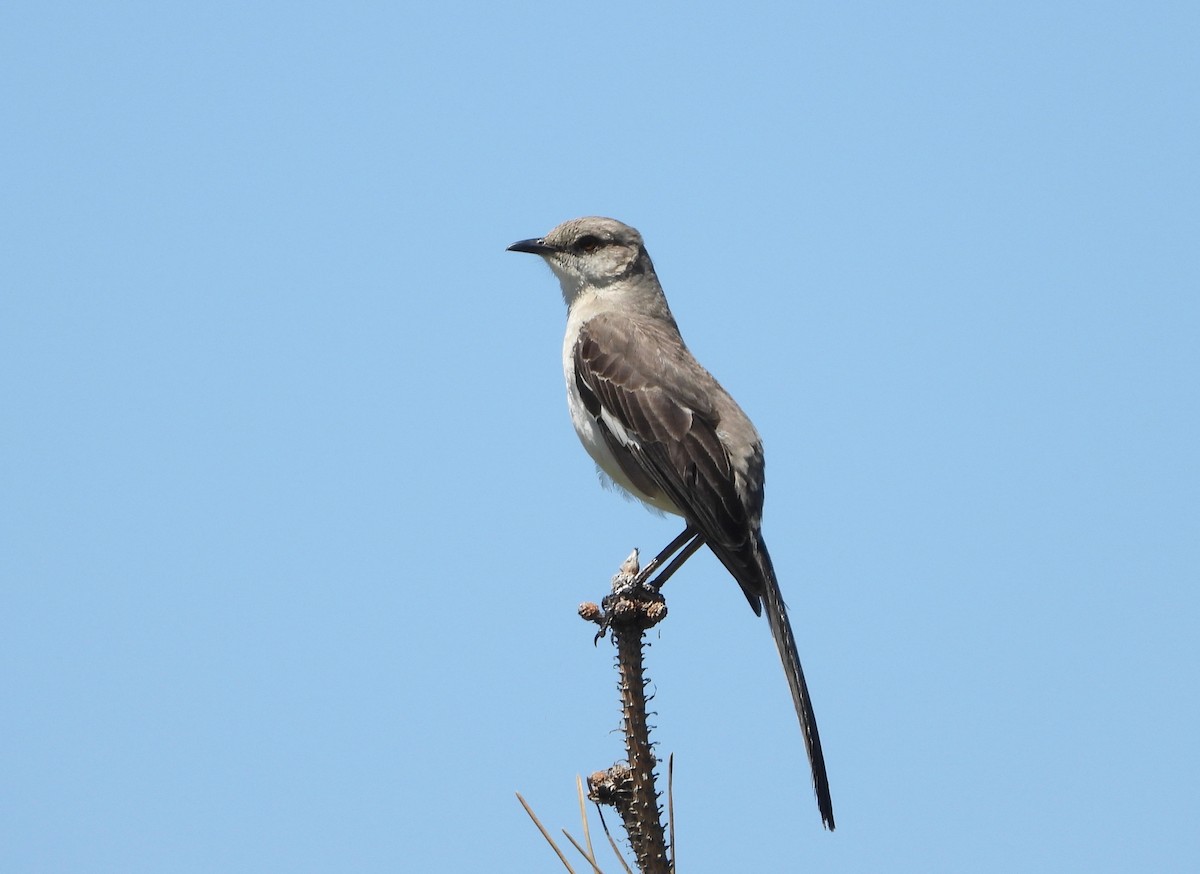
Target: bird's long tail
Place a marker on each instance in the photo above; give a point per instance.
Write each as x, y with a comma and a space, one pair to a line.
785, 641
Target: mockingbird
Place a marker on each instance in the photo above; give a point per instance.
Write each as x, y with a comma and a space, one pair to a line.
664, 430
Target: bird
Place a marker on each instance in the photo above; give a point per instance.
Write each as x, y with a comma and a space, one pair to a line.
662, 429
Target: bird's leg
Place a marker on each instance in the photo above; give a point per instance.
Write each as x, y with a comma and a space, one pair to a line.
676, 563
672, 548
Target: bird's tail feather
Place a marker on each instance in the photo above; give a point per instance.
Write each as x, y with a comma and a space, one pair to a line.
785, 641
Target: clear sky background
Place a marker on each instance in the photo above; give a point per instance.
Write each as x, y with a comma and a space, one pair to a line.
294, 523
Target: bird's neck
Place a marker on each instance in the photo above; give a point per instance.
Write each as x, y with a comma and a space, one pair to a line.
635, 296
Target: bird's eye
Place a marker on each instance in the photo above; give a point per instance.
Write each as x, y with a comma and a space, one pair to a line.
588, 244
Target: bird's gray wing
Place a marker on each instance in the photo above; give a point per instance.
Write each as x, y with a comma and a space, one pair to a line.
661, 415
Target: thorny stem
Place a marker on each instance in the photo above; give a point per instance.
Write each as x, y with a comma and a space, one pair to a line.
629, 786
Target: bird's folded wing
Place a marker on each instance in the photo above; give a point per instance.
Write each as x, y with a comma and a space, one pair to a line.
656, 407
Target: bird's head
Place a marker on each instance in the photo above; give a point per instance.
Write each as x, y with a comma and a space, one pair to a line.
590, 252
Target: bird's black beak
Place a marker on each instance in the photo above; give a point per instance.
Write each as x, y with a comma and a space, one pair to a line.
536, 246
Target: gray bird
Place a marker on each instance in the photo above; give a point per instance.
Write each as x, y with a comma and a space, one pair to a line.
664, 430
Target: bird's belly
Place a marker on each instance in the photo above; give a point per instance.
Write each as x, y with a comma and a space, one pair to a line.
597, 447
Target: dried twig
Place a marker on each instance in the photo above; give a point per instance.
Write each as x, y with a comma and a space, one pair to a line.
671, 806
545, 833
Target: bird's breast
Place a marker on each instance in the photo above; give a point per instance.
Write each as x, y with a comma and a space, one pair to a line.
591, 435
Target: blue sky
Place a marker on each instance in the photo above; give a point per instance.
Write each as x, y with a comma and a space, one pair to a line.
294, 523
